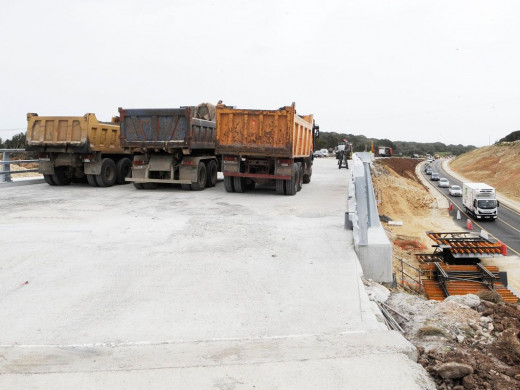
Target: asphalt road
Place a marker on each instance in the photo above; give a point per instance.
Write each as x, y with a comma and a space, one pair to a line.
506, 228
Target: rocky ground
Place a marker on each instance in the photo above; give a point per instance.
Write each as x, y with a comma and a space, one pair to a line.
464, 342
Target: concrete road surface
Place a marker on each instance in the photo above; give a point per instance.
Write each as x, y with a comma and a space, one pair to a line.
123, 288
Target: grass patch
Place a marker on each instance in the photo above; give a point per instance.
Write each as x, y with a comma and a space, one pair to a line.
431, 331
490, 296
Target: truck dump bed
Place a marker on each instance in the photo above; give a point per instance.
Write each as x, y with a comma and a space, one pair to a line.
165, 129
71, 134
280, 133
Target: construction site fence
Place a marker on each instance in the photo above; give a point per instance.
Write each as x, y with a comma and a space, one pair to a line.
408, 281
5, 164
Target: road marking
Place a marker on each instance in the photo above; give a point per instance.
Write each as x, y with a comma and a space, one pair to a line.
503, 205
475, 222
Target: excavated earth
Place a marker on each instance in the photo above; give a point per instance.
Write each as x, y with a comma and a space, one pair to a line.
464, 342
498, 163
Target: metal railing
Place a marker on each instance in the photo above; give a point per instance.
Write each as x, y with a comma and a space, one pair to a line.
5, 164
410, 282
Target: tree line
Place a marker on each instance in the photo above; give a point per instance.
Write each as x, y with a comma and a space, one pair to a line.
360, 143
16, 142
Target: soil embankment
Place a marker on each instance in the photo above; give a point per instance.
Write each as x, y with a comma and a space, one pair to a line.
497, 165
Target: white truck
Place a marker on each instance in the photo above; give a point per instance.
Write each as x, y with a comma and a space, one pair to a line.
479, 200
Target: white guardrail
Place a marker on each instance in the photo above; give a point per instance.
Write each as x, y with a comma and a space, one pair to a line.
371, 244
5, 164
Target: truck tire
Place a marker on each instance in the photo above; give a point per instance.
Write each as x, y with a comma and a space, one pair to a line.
291, 186
240, 184
211, 174
307, 178
280, 187
48, 180
60, 177
228, 184
107, 177
200, 184
300, 177
139, 186
92, 180
123, 170
250, 185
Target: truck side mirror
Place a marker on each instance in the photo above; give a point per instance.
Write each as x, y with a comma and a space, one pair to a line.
474, 203
316, 131
498, 203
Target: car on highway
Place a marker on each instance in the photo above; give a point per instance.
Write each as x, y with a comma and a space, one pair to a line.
429, 171
455, 191
435, 176
426, 167
443, 182
321, 153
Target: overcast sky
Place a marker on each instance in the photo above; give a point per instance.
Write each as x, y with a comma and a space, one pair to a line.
414, 70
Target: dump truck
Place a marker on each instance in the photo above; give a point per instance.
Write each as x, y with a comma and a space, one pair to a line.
479, 200
384, 151
78, 148
265, 147
171, 145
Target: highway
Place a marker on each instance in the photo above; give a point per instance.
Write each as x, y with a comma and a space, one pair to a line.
506, 228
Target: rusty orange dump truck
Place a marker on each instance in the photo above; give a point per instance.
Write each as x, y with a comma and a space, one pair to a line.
265, 147
78, 149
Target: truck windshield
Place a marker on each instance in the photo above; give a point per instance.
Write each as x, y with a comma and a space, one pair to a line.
487, 203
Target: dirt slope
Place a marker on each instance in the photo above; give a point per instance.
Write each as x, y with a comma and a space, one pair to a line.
497, 165
402, 197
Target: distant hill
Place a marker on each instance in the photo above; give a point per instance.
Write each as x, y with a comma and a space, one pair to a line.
497, 165
361, 143
514, 136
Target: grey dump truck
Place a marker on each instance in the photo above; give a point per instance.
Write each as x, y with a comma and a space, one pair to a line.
171, 145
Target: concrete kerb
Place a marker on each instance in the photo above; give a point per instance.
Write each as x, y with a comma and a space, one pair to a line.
23, 182
371, 244
502, 198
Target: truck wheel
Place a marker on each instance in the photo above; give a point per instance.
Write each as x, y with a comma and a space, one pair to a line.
200, 184
291, 186
228, 184
239, 184
211, 174
92, 180
48, 180
139, 186
307, 178
123, 170
60, 177
107, 177
300, 177
280, 187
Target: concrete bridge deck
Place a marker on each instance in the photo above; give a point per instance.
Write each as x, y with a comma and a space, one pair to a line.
124, 288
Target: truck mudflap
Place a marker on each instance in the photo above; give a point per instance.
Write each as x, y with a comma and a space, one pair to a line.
46, 167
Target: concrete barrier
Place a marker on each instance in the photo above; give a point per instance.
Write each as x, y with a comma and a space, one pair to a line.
371, 244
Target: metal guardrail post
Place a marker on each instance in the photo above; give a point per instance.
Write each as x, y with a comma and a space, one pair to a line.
5, 164
5, 177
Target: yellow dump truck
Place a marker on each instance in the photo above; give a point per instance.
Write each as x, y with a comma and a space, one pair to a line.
78, 149
265, 147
